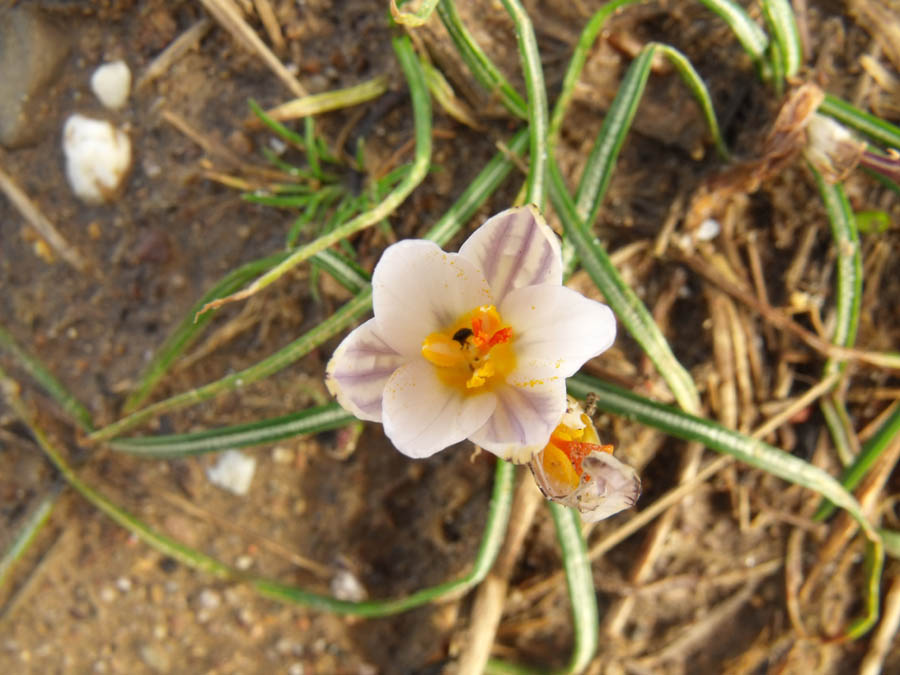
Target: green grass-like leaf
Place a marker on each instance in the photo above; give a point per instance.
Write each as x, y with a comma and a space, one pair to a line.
752, 38
47, 381
537, 102
848, 297
484, 70
305, 422
627, 306
871, 451
781, 19
874, 127
416, 18
617, 123
32, 526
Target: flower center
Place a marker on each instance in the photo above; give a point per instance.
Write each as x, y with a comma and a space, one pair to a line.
562, 456
473, 354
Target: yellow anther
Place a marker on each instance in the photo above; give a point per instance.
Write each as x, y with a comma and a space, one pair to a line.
481, 375
443, 351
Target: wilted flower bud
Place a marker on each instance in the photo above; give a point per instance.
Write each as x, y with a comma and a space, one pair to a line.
831, 148
575, 470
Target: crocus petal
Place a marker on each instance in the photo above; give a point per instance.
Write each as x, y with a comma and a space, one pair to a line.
359, 370
556, 330
523, 420
515, 248
614, 487
422, 415
418, 289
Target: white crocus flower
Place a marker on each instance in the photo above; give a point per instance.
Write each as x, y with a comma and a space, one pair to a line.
471, 345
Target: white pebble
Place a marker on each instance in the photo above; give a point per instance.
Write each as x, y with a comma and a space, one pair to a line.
709, 229
111, 83
345, 586
98, 157
233, 472
209, 599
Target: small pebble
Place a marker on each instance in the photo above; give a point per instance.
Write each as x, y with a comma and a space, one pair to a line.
279, 147
123, 584
98, 157
282, 455
209, 599
108, 594
296, 669
345, 586
709, 229
156, 658
233, 472
244, 563
111, 84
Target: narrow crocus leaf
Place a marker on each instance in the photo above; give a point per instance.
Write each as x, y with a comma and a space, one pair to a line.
305, 422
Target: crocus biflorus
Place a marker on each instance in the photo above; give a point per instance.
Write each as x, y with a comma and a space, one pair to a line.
475, 344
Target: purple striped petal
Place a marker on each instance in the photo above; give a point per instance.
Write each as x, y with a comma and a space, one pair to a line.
513, 249
423, 416
523, 420
556, 330
359, 370
418, 289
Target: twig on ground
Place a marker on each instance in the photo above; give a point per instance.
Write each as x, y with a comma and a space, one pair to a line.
39, 222
178, 48
491, 596
270, 23
785, 323
230, 18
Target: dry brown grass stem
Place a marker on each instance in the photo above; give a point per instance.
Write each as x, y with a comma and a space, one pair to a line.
178, 48
270, 23
33, 215
780, 320
225, 12
491, 596
883, 639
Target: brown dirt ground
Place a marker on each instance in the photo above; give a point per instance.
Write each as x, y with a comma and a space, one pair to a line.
90, 598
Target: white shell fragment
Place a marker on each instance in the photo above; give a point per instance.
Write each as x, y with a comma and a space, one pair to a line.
98, 157
111, 84
233, 472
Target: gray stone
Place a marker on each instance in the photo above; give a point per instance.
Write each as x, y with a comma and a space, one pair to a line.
32, 51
